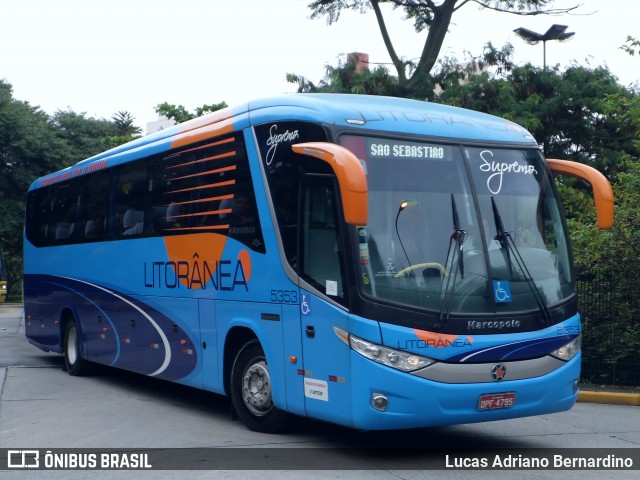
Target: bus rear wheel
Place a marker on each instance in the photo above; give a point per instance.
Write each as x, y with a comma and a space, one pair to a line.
251, 391
74, 364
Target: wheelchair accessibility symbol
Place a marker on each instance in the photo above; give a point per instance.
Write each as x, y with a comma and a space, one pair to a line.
305, 306
502, 291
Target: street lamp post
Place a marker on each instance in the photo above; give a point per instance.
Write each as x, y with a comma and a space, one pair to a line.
555, 32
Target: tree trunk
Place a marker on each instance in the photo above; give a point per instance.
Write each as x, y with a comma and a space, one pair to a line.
435, 38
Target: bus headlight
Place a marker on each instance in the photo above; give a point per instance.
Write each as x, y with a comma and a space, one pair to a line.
568, 351
405, 361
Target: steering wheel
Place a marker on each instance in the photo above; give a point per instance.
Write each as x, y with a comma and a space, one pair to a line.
418, 266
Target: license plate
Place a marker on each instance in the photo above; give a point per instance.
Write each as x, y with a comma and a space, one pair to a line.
492, 401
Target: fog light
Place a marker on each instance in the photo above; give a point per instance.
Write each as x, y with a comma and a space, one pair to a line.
379, 402
576, 385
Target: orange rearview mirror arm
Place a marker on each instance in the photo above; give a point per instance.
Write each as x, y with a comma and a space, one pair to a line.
602, 191
351, 177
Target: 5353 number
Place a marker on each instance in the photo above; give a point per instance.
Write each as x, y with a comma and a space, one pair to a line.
284, 296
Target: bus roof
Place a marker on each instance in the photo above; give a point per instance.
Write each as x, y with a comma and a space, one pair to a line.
371, 113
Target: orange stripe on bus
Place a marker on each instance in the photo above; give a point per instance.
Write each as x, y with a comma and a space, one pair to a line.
212, 227
209, 199
200, 134
200, 214
215, 157
213, 185
208, 172
214, 144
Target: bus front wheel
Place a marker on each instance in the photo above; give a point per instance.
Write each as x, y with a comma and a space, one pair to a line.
251, 391
74, 364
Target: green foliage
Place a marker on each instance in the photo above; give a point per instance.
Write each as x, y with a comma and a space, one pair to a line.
29, 148
609, 262
632, 45
124, 124
33, 144
345, 79
86, 137
214, 107
617, 249
579, 114
13, 271
427, 15
180, 114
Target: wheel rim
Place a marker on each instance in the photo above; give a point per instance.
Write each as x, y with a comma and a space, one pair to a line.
256, 389
72, 346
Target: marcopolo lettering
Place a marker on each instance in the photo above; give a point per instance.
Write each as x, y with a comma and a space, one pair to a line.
493, 324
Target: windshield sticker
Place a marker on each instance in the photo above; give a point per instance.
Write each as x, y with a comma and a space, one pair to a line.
494, 182
276, 138
502, 291
364, 254
331, 288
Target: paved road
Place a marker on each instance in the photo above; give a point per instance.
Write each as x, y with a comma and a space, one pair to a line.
42, 407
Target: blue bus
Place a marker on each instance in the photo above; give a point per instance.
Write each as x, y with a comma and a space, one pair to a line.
374, 262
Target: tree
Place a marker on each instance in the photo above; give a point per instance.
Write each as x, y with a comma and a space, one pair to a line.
430, 15
86, 136
608, 263
29, 148
632, 45
346, 78
124, 123
579, 113
33, 144
180, 114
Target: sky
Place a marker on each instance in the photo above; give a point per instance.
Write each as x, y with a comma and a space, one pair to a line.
104, 56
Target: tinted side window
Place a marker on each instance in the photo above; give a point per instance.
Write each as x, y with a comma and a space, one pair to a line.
38, 209
63, 226
127, 214
321, 249
284, 172
207, 188
94, 202
202, 188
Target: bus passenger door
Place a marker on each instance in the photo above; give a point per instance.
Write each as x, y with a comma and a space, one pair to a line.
327, 389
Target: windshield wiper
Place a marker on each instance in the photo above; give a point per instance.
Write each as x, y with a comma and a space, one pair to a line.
459, 236
508, 246
502, 236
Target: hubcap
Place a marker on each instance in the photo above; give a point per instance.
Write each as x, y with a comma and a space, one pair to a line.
256, 389
72, 349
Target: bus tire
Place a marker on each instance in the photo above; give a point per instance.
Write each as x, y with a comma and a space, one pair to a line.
251, 391
74, 364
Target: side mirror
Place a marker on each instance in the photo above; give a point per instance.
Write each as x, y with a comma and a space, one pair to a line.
351, 177
602, 191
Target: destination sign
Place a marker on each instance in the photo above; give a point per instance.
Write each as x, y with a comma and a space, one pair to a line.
396, 149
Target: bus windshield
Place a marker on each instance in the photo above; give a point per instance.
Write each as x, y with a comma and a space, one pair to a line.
461, 230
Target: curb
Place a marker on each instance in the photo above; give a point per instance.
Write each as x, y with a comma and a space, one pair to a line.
611, 398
